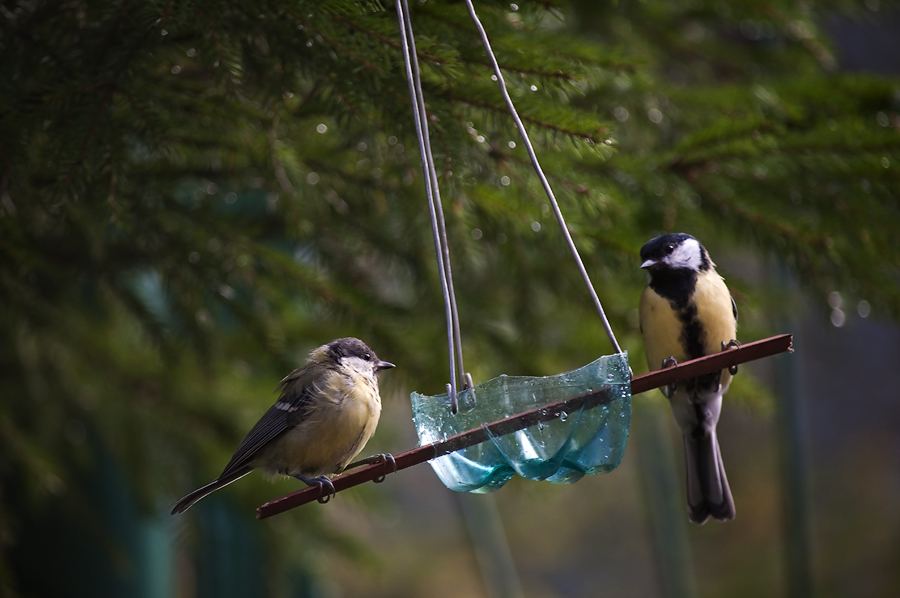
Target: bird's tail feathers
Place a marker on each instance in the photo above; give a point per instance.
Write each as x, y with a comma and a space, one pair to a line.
188, 501
708, 493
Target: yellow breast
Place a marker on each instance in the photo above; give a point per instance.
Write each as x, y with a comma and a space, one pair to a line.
336, 427
715, 311
663, 328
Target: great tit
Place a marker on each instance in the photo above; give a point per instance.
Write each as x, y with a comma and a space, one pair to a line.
326, 412
687, 312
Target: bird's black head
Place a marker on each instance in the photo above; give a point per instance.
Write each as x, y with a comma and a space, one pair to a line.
353, 347
674, 251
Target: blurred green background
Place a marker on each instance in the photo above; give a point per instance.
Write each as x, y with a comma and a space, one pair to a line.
193, 195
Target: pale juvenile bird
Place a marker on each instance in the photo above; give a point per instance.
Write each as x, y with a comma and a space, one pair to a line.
687, 312
327, 411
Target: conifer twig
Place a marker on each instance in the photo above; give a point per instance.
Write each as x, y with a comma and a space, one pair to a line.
87, 141
431, 57
541, 123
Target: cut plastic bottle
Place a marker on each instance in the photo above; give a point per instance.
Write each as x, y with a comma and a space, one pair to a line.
589, 439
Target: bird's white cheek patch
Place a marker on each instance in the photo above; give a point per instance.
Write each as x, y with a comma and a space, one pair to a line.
356, 364
686, 255
360, 367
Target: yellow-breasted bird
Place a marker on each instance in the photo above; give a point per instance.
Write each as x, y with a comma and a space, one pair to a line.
327, 411
687, 312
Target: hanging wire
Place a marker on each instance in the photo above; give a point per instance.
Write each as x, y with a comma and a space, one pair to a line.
540, 173
436, 211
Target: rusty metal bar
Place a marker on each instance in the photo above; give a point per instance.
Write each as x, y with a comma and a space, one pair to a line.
711, 363
689, 369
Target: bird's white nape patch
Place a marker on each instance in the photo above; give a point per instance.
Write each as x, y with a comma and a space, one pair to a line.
687, 255
319, 355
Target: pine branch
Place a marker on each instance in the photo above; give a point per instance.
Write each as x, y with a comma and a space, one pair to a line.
594, 137
559, 74
90, 136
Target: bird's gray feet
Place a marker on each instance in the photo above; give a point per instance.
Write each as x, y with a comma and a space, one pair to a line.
667, 363
322, 483
380, 458
732, 344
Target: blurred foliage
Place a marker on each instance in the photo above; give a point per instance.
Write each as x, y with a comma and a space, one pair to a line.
194, 194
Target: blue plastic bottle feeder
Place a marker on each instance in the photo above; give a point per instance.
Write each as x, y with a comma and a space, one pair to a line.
591, 439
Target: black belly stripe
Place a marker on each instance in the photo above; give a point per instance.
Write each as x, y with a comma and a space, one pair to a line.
678, 287
693, 341
692, 333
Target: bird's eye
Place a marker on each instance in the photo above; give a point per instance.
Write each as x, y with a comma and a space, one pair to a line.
367, 356
670, 248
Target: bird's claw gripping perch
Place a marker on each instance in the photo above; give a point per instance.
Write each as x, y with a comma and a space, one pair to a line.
732, 344
669, 362
320, 482
380, 458
386, 458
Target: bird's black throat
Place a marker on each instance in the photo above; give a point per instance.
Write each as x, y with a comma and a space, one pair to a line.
677, 285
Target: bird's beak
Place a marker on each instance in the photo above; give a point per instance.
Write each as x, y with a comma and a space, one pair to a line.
384, 365
648, 264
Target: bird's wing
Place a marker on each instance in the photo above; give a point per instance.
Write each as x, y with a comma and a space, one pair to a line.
734, 309
296, 391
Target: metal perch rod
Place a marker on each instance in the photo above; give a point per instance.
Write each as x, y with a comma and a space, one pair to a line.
688, 369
